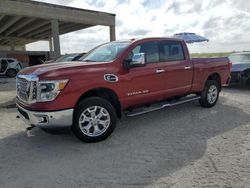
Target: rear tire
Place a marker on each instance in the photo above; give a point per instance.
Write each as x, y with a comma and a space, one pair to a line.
210, 94
94, 119
11, 73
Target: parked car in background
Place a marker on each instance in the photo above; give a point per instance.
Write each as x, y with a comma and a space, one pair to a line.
67, 58
134, 76
240, 72
9, 67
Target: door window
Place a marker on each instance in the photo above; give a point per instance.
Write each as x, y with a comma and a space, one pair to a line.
150, 49
171, 51
10, 60
3, 65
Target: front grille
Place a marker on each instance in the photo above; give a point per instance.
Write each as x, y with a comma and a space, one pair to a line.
23, 89
26, 89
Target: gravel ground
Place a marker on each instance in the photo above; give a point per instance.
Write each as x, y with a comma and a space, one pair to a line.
182, 146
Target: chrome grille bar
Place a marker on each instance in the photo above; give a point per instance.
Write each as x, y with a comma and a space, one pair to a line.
26, 88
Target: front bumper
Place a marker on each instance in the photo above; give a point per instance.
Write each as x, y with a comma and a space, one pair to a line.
62, 118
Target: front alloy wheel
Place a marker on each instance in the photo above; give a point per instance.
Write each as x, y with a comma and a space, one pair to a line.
94, 119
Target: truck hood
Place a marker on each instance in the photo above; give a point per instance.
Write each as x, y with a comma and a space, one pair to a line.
62, 69
240, 67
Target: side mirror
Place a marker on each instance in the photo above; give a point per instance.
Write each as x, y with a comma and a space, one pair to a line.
138, 60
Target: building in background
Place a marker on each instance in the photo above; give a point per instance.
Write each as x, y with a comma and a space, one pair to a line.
23, 22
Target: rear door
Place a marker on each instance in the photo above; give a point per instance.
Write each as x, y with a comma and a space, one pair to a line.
179, 69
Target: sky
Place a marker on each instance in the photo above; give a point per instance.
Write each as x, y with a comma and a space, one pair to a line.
226, 23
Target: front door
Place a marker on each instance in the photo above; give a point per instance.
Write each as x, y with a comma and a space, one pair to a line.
145, 84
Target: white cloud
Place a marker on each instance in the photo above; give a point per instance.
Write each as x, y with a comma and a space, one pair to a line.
226, 23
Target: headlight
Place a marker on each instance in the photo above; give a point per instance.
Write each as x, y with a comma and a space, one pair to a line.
48, 90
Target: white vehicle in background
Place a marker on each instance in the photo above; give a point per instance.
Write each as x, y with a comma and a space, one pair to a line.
9, 67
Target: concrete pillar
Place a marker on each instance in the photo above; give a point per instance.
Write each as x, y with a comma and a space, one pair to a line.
112, 33
51, 50
55, 36
12, 45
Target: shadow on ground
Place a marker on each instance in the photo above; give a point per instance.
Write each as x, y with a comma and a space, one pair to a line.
142, 150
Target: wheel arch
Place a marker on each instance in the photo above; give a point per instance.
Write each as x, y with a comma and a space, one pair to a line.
9, 69
105, 93
216, 77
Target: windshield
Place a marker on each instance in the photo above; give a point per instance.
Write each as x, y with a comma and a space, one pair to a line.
240, 58
65, 58
105, 53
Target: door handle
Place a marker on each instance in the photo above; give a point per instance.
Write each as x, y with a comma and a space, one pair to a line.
187, 67
160, 71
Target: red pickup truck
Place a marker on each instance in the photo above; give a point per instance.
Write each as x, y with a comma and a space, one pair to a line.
134, 77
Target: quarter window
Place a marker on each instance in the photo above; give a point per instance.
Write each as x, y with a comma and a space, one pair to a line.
171, 51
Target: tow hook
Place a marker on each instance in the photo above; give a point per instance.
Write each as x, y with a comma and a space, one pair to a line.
28, 131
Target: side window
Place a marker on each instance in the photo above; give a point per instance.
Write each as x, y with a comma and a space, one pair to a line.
150, 49
171, 51
3, 61
10, 60
3, 65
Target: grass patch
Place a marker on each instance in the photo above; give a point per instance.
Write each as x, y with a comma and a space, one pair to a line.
208, 55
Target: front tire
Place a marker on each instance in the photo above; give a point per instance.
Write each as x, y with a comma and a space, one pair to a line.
210, 94
94, 119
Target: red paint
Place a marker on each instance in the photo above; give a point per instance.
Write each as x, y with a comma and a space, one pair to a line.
84, 76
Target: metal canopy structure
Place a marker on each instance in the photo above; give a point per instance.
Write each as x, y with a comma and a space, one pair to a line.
24, 21
190, 37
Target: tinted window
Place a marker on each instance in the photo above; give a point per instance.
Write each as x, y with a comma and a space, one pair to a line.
240, 58
4, 61
171, 51
150, 49
10, 60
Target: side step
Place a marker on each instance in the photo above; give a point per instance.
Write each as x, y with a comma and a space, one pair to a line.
161, 105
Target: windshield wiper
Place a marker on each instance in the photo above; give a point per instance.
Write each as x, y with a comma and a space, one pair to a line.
88, 60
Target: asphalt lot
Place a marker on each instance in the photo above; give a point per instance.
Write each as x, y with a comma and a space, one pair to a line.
182, 146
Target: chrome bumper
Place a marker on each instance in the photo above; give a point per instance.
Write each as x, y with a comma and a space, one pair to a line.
62, 118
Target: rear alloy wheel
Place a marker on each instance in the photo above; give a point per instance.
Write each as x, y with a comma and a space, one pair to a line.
94, 119
210, 94
11, 73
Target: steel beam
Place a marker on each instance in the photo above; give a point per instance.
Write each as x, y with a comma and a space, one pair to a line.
62, 31
28, 40
62, 13
1, 17
38, 31
32, 28
46, 30
19, 26
9, 23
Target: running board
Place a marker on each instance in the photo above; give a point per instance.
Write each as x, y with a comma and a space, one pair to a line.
159, 106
